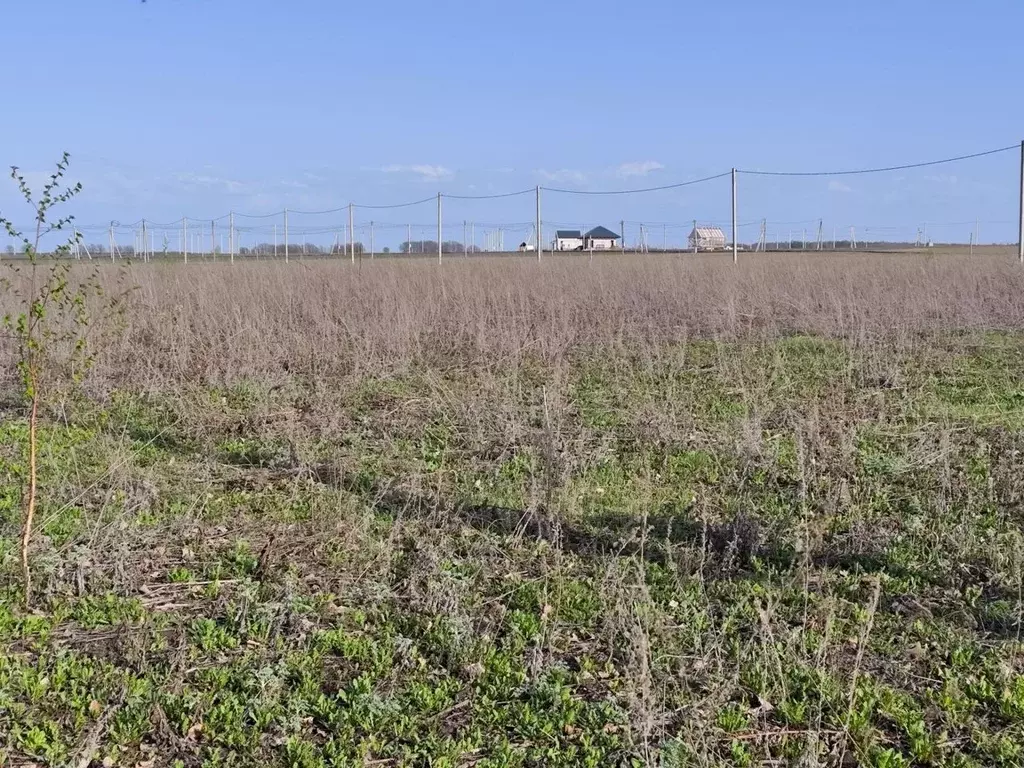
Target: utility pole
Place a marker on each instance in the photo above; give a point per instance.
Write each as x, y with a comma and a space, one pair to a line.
819, 244
1020, 226
833, 237
145, 243
352, 233
213, 239
472, 234
438, 227
408, 237
285, 236
372, 254
540, 246
622, 233
184, 229
112, 249
231, 235
275, 241
664, 237
465, 245
735, 243
853, 239
696, 237
972, 244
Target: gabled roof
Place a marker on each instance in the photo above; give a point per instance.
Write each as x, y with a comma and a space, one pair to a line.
600, 233
708, 233
568, 234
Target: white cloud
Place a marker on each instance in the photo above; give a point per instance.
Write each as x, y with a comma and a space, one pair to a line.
838, 186
563, 176
190, 179
641, 168
425, 172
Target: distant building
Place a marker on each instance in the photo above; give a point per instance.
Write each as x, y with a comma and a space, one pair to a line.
707, 238
568, 240
600, 239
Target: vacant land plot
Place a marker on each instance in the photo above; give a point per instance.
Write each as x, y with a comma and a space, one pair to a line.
662, 511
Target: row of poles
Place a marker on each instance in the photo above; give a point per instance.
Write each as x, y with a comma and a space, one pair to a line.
350, 246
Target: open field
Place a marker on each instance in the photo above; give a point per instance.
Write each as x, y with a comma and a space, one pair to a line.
645, 512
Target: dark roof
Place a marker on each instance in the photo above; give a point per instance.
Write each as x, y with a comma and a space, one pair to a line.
600, 233
568, 233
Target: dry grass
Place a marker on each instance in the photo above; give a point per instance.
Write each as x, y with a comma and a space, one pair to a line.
659, 510
216, 323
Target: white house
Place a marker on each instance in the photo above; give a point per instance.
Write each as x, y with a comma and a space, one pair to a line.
707, 238
600, 239
568, 240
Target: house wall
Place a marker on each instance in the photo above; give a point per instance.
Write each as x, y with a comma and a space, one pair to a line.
568, 243
602, 244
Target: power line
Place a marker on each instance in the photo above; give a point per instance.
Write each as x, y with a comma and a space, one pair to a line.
491, 197
261, 215
634, 191
885, 169
397, 205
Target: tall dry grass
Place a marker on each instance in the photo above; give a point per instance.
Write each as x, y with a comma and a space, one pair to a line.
214, 323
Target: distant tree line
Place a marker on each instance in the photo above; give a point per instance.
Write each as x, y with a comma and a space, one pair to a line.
299, 249
430, 246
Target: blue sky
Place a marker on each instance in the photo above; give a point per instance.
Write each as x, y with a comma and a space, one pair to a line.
198, 107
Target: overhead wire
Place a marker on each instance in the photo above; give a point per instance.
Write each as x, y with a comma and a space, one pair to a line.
885, 169
636, 191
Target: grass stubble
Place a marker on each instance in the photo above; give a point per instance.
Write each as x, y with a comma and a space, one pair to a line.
650, 511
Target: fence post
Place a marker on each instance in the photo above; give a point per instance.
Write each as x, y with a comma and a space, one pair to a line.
438, 227
735, 241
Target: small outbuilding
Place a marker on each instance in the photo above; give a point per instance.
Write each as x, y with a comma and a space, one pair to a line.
707, 239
